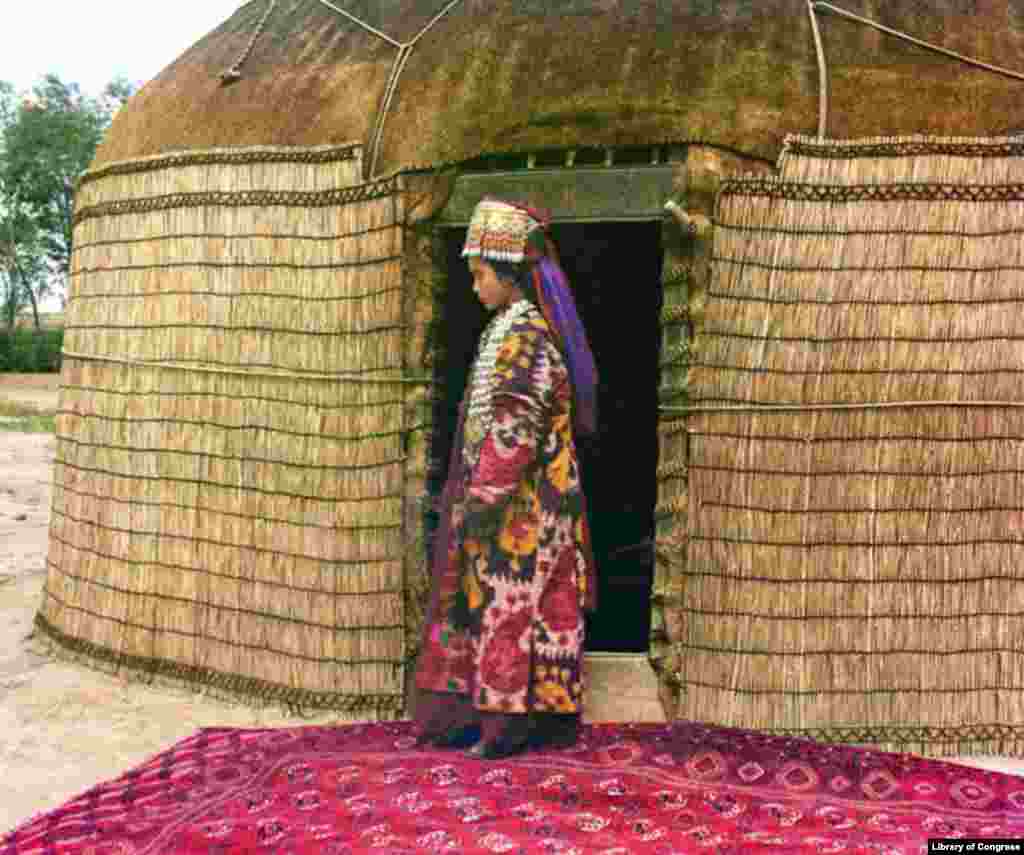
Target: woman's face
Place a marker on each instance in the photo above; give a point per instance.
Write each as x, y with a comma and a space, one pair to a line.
490, 290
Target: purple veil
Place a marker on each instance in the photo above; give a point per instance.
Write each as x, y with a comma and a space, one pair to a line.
559, 310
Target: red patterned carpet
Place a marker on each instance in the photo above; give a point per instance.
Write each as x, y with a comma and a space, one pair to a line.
623, 790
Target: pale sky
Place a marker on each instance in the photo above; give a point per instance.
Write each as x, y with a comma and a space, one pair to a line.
90, 42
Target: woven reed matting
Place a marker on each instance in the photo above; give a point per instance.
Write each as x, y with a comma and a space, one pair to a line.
227, 518
855, 574
907, 159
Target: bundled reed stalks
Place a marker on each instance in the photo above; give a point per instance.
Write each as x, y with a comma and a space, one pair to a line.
856, 461
229, 483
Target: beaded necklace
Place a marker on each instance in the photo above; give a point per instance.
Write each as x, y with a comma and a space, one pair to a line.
480, 414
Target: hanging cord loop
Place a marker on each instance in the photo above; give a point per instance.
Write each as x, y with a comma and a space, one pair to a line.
234, 73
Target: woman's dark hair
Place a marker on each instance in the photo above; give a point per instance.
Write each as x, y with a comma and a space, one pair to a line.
519, 274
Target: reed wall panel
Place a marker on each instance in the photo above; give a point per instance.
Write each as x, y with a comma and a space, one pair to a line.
229, 479
856, 462
254, 168
907, 159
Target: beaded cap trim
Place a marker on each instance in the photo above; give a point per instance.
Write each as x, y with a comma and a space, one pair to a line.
499, 231
480, 413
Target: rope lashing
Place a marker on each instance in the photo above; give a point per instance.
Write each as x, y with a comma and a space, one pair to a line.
996, 69
806, 408
822, 72
389, 92
282, 374
235, 72
815, 5
362, 24
404, 50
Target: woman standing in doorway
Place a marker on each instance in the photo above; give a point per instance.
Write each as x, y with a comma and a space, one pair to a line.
512, 571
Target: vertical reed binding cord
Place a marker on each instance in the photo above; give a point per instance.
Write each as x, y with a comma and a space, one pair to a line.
820, 4
235, 72
822, 72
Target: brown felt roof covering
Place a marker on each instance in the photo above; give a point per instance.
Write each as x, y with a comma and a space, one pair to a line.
504, 75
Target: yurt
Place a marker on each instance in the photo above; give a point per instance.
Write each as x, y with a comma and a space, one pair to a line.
794, 232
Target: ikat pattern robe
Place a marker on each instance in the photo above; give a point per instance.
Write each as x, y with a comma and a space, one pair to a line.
518, 569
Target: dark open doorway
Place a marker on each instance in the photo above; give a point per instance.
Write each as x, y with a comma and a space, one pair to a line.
615, 271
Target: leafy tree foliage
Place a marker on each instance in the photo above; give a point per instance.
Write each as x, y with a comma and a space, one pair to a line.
47, 140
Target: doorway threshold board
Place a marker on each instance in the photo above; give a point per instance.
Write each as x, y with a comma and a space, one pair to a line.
620, 687
614, 654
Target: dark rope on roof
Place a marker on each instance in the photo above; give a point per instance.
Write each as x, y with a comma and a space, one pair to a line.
234, 73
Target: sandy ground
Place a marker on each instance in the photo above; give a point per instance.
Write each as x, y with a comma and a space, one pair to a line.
64, 728
34, 391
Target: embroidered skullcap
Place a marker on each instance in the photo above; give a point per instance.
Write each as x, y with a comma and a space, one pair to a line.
508, 231
505, 231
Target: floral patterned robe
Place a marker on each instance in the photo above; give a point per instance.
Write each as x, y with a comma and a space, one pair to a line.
516, 571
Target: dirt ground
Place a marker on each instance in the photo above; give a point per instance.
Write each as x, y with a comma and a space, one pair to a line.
64, 728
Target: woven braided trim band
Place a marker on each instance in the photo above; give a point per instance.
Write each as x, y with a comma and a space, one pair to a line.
904, 147
227, 157
245, 198
775, 189
832, 193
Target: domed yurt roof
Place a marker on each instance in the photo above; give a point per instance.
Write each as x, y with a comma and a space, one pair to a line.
506, 75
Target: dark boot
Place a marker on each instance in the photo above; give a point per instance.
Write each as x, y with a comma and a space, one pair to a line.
445, 719
554, 730
501, 735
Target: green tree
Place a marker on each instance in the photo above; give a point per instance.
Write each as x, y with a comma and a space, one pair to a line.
47, 140
24, 274
12, 297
